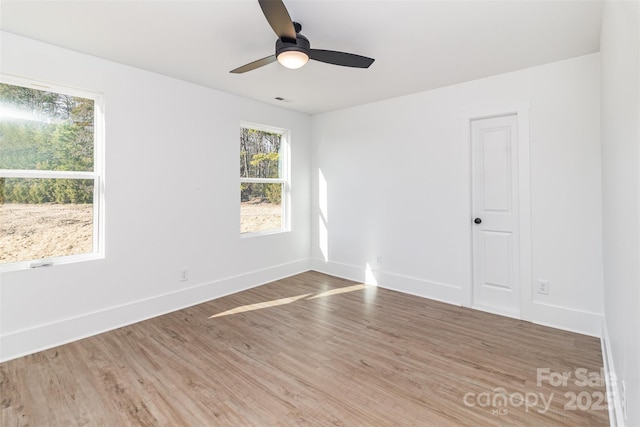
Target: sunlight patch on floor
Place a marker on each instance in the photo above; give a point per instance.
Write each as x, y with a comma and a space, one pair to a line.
339, 291
259, 305
289, 300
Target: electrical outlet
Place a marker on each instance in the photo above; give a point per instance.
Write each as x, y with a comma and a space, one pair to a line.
184, 275
623, 400
379, 260
543, 287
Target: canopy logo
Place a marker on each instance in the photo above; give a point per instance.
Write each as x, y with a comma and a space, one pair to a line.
499, 400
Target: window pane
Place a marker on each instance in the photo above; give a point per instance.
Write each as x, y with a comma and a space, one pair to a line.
259, 154
43, 218
260, 207
44, 130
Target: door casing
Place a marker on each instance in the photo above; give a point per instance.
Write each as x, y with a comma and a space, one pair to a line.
521, 110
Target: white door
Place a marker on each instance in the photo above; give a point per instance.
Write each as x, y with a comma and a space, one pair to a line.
494, 164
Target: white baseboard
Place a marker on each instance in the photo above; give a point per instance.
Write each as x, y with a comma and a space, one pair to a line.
616, 417
345, 271
20, 343
395, 282
42, 337
568, 319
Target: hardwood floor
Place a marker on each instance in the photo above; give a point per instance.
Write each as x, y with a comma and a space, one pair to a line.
312, 350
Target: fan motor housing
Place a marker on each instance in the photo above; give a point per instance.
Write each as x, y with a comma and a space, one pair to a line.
301, 45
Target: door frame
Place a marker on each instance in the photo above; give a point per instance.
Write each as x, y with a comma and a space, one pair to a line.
521, 110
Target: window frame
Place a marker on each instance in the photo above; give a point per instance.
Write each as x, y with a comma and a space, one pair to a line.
97, 175
284, 167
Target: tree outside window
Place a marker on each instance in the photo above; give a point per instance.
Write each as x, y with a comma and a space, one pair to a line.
262, 180
49, 182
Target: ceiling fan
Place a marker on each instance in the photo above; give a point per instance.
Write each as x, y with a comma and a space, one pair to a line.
293, 50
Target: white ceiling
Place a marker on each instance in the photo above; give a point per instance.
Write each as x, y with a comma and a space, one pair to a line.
418, 45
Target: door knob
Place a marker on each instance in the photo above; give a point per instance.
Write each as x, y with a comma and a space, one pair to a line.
477, 220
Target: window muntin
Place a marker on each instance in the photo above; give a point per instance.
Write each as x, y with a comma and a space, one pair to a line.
263, 179
50, 170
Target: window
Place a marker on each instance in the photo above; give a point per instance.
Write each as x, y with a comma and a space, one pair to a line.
264, 187
50, 172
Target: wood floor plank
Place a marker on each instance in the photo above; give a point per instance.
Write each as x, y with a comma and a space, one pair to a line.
310, 350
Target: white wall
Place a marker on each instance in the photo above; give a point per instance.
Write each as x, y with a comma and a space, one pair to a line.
391, 179
388, 179
172, 202
620, 50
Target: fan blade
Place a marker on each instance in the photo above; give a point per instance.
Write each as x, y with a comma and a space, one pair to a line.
341, 58
279, 19
255, 64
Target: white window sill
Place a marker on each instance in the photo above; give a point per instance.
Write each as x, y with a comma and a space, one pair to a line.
251, 234
49, 262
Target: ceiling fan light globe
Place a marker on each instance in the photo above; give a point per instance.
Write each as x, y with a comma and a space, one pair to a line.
293, 59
